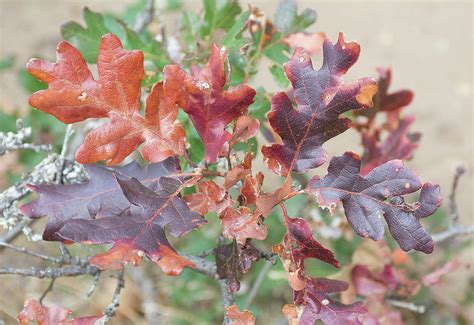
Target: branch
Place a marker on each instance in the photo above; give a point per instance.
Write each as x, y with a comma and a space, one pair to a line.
109, 311
52, 273
16, 141
456, 229
145, 17
256, 285
202, 265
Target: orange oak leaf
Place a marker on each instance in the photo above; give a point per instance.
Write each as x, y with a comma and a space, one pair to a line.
119, 255
238, 317
54, 315
73, 95
209, 197
203, 98
242, 224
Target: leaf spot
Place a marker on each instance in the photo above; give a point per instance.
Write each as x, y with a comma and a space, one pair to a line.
82, 97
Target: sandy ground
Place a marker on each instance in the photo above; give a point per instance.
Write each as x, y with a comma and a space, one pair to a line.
428, 45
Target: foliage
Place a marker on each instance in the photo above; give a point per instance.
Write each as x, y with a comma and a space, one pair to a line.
190, 111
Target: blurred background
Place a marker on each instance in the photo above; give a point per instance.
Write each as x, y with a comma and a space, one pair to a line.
428, 45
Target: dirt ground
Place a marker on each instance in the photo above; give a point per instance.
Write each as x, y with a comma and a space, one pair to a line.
429, 46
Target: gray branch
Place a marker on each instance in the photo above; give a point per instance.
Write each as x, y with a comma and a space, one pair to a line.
51, 273
11, 141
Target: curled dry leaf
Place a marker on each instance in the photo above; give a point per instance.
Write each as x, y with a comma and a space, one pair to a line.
242, 224
321, 97
119, 255
73, 95
367, 200
238, 317
209, 197
33, 311
203, 98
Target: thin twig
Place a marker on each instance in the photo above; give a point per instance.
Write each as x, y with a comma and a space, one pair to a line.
453, 207
452, 232
227, 298
26, 251
256, 285
94, 284
420, 309
48, 290
145, 17
109, 311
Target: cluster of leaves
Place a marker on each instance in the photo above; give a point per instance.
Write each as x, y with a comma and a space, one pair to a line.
194, 104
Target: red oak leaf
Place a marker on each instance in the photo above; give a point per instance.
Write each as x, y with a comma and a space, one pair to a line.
203, 98
374, 285
367, 200
318, 305
237, 173
100, 197
227, 265
399, 144
242, 224
392, 103
143, 228
321, 97
298, 245
237, 317
73, 95
33, 311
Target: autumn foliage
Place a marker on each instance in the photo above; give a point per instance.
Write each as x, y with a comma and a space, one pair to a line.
136, 203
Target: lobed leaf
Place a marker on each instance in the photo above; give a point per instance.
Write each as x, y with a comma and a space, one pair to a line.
73, 95
321, 97
367, 200
203, 98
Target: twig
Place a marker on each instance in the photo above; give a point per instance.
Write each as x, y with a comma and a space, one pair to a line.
420, 309
202, 265
453, 207
109, 311
15, 231
456, 229
51, 273
452, 232
256, 285
94, 284
26, 251
227, 298
145, 17
16, 141
48, 290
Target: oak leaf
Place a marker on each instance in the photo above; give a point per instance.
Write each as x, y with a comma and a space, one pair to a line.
321, 97
367, 200
238, 317
399, 144
242, 224
318, 305
54, 315
209, 197
203, 97
143, 228
298, 245
100, 197
73, 96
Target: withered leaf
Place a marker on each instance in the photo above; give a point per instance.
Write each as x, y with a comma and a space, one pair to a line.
321, 97
203, 98
242, 224
238, 317
73, 95
367, 200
